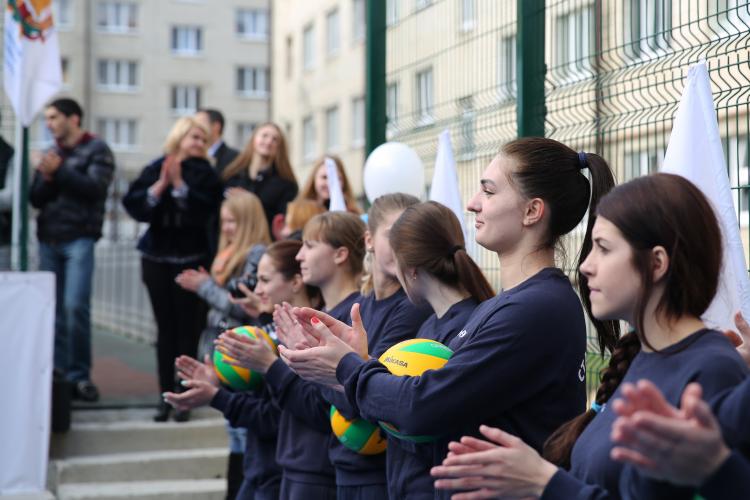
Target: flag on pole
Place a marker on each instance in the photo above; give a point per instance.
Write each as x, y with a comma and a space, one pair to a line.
695, 152
445, 188
32, 68
336, 200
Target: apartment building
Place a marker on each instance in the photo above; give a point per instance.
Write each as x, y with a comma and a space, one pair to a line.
138, 65
318, 76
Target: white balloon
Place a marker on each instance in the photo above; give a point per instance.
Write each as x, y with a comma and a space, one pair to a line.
393, 167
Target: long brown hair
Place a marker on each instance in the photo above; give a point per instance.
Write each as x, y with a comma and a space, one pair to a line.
280, 162
657, 210
550, 170
283, 254
300, 211
428, 236
380, 209
308, 190
252, 229
340, 229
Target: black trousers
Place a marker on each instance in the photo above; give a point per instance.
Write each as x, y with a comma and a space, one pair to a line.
180, 316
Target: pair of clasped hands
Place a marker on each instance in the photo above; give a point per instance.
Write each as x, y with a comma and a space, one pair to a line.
312, 344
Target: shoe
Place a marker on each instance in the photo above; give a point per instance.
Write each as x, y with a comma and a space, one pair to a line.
85, 390
181, 416
162, 412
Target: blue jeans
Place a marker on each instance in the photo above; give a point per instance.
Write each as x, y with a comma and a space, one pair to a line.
73, 265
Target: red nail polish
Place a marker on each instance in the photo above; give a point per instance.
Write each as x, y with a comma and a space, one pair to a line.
314, 320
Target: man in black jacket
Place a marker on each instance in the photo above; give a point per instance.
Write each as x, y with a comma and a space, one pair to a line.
70, 189
222, 154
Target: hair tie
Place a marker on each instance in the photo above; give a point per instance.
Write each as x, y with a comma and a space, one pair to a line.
455, 249
597, 407
582, 162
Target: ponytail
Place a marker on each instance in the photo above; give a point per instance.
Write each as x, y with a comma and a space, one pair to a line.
558, 447
428, 236
547, 169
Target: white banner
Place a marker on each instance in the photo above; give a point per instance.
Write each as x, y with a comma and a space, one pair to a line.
27, 322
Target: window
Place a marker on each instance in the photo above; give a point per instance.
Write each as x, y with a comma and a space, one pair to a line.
62, 14
65, 67
252, 81
117, 75
186, 99
358, 122
467, 149
648, 24
308, 47
117, 17
289, 56
391, 107
118, 133
425, 102
332, 128
421, 4
308, 138
574, 35
243, 132
468, 14
640, 163
252, 23
736, 154
391, 12
506, 69
359, 25
333, 38
187, 40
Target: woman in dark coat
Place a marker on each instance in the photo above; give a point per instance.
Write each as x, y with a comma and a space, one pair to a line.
175, 195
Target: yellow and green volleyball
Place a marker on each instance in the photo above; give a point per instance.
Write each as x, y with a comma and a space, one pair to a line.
358, 435
412, 358
237, 377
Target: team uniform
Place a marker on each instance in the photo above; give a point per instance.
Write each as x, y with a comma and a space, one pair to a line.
387, 322
408, 464
705, 357
518, 364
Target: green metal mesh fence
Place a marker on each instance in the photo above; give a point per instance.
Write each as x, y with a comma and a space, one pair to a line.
615, 72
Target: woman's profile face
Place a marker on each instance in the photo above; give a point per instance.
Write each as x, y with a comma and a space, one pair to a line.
194, 143
272, 287
317, 262
498, 208
321, 184
228, 224
613, 280
383, 256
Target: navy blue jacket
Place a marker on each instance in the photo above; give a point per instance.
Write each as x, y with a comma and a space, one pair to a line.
256, 412
705, 357
730, 482
408, 464
518, 364
387, 322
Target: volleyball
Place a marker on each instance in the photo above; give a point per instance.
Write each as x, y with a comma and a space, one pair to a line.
358, 435
237, 377
413, 357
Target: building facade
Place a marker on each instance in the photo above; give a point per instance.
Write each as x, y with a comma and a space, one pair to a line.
137, 65
318, 76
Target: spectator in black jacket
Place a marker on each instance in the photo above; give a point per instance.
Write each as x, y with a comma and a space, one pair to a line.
69, 189
263, 168
175, 195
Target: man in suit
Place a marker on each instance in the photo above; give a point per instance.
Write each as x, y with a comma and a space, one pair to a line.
221, 154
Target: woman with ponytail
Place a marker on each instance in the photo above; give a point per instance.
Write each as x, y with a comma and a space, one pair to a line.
655, 263
518, 360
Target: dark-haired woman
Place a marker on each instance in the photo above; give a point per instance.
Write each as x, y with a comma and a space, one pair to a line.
279, 280
263, 168
655, 264
518, 361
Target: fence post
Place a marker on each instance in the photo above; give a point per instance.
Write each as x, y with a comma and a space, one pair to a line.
375, 120
531, 70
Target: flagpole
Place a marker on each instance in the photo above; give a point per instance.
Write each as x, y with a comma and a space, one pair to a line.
16, 211
23, 196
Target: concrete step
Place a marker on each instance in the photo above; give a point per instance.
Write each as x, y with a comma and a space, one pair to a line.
200, 489
111, 437
203, 463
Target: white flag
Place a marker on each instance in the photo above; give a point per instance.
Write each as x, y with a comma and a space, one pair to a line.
694, 152
32, 68
445, 188
336, 201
